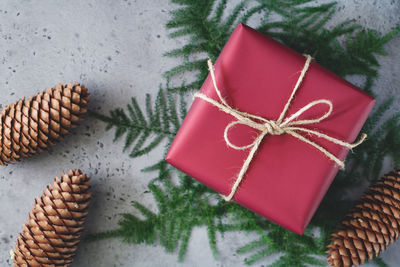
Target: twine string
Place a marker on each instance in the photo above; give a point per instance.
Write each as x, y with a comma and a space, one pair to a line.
282, 125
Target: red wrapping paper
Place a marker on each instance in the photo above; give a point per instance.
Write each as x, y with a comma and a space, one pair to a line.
287, 178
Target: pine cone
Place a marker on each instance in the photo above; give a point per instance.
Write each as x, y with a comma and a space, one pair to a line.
51, 235
28, 127
371, 226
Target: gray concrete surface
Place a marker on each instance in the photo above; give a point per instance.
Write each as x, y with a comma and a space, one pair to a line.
115, 48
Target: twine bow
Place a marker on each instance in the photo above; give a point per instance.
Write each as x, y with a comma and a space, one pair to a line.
282, 125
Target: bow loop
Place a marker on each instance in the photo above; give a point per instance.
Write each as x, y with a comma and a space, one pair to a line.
226, 135
292, 119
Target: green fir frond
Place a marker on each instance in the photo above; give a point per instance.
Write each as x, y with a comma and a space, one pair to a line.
179, 211
145, 130
295, 250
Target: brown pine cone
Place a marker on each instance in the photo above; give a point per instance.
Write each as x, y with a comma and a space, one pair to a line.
28, 127
371, 226
51, 235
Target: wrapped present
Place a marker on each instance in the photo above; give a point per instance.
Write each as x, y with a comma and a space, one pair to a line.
270, 129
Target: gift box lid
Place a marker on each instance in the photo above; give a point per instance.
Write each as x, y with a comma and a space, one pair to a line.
287, 178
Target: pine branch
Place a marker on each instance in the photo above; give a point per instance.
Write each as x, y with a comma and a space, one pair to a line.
295, 250
145, 130
179, 211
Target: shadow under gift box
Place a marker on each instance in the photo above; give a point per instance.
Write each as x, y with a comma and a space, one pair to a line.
287, 178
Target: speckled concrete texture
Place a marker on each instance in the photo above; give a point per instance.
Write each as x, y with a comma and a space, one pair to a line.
115, 48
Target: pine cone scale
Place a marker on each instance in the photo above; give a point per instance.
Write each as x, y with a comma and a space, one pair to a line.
385, 215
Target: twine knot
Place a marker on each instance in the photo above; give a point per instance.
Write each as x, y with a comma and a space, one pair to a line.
291, 125
271, 127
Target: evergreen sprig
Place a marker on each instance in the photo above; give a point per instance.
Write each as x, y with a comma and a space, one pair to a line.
180, 210
183, 203
144, 130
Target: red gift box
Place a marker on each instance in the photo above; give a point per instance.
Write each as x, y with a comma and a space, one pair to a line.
287, 177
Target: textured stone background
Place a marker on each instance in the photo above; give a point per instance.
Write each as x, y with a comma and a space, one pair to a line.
115, 48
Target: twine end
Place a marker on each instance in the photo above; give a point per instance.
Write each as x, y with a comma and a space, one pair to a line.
210, 65
307, 56
364, 136
362, 139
